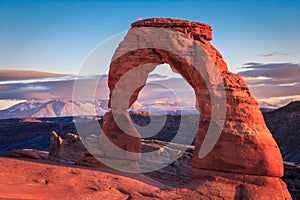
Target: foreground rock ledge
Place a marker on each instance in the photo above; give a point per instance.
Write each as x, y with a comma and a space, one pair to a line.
49, 180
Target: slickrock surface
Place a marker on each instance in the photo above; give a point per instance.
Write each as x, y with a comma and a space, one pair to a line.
31, 180
47, 180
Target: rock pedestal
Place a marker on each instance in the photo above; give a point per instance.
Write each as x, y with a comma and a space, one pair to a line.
69, 149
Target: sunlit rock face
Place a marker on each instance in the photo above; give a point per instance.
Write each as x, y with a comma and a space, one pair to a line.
245, 153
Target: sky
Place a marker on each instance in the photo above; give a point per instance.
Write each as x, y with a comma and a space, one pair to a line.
57, 36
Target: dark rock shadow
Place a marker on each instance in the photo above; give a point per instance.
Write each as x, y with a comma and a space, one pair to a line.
241, 192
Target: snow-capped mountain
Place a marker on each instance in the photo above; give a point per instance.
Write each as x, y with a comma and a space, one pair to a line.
62, 108
267, 107
54, 108
164, 107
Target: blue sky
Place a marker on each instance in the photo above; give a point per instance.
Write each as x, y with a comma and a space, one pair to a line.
56, 36
258, 39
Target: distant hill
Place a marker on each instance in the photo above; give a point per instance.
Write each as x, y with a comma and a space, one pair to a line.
263, 110
284, 124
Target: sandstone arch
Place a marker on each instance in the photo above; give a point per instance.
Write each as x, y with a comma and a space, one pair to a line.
245, 147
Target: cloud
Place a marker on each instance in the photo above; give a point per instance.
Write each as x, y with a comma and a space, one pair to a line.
273, 81
276, 53
251, 64
39, 85
157, 76
170, 89
54, 88
7, 75
35, 88
282, 100
176, 83
8, 87
276, 83
273, 73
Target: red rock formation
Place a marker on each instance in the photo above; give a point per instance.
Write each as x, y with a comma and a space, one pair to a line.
68, 150
194, 30
245, 150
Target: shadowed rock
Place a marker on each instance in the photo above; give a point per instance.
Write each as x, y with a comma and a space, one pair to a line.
68, 150
28, 153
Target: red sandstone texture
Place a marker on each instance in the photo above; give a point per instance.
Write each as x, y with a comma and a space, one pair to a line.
245, 151
195, 30
50, 180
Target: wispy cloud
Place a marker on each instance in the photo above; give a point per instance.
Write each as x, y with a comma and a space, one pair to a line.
54, 88
14, 75
273, 82
158, 86
281, 100
276, 53
171, 89
276, 83
252, 64
157, 76
272, 73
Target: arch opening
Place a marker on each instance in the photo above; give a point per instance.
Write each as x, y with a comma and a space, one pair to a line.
125, 86
165, 97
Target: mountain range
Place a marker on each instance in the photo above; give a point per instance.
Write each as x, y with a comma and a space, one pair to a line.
63, 108
54, 108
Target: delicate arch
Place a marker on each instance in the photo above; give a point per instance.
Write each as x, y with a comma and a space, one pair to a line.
243, 147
